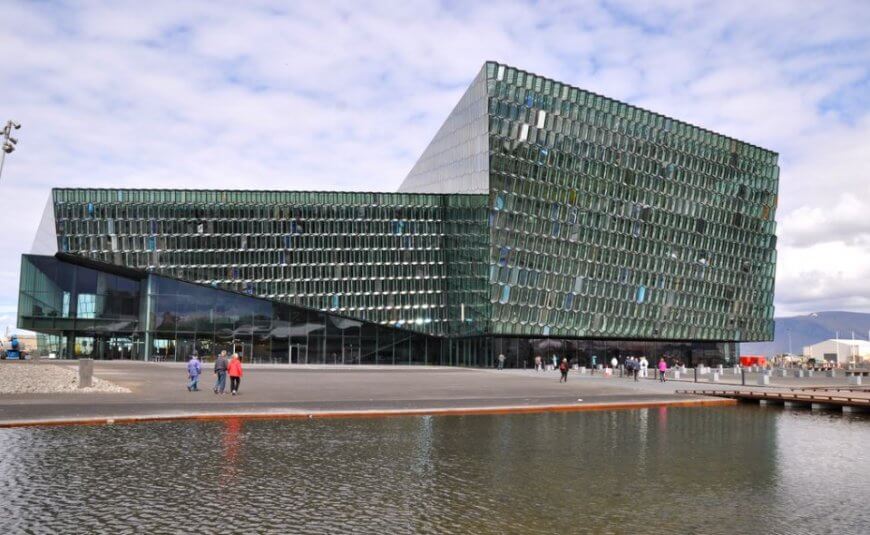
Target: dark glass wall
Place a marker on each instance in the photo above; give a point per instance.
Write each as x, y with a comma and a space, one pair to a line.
187, 317
92, 300
87, 311
90, 312
521, 352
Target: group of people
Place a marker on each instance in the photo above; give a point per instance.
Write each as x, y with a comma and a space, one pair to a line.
222, 368
636, 366
539, 363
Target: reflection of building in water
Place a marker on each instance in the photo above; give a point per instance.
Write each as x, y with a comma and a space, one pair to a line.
232, 437
542, 219
598, 462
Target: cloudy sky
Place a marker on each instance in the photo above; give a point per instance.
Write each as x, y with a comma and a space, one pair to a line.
344, 95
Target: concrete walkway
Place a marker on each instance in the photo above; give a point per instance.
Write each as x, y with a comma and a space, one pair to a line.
158, 391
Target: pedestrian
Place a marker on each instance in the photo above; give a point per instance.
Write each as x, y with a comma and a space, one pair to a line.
563, 368
644, 365
613, 363
235, 371
501, 359
539, 366
220, 369
194, 368
663, 367
635, 368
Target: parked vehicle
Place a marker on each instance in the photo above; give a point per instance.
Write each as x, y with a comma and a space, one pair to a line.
13, 353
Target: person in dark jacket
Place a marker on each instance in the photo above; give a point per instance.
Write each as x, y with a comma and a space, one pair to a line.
633, 367
220, 369
563, 369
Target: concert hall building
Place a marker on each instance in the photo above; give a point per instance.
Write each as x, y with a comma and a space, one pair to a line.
542, 219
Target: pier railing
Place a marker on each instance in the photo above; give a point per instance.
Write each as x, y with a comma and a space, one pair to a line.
792, 396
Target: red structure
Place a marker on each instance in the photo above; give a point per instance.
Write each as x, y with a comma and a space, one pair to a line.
753, 360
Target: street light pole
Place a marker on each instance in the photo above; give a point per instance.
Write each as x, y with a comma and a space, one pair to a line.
9, 142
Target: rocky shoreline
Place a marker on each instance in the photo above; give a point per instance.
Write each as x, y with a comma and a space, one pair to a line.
29, 377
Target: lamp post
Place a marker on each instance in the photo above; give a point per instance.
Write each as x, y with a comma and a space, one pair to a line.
9, 142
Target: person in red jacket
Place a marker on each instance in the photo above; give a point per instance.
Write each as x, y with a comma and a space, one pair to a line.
234, 370
563, 369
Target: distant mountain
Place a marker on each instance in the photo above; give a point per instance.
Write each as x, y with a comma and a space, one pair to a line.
808, 330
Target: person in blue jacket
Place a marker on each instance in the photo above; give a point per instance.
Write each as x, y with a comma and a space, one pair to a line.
194, 368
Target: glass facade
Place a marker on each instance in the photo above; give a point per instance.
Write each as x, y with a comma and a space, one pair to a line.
395, 259
72, 307
457, 158
83, 308
89, 310
610, 221
540, 213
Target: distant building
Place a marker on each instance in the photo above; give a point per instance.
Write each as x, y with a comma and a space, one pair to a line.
839, 351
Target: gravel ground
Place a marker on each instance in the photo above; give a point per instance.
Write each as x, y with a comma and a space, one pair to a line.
33, 378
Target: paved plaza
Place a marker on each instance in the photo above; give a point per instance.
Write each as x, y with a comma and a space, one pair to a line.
159, 391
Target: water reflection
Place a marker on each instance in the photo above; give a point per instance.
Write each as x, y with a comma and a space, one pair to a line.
643, 423
729, 470
231, 444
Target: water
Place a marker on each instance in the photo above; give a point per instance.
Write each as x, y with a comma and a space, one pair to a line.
706, 470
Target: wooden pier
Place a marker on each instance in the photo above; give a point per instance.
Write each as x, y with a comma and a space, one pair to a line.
848, 400
833, 389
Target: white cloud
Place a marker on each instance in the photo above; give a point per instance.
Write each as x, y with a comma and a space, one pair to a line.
846, 221
337, 95
823, 276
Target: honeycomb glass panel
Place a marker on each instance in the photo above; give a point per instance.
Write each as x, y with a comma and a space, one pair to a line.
606, 182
